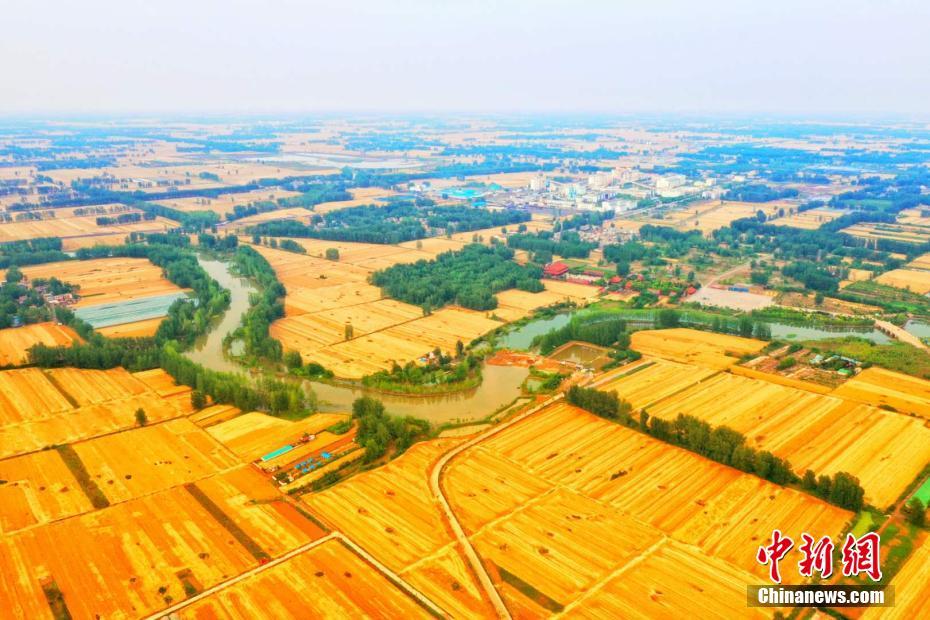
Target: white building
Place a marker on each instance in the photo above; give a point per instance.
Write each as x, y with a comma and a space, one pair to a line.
670, 181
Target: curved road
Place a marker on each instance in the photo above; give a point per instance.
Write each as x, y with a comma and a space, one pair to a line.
435, 484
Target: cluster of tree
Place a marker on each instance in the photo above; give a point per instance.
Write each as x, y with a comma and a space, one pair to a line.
814, 277
842, 489
311, 370
25, 303
292, 246
587, 218
604, 404
445, 371
676, 242
394, 223
264, 308
215, 242
759, 193
123, 218
271, 395
31, 252
543, 245
315, 194
625, 253
468, 277
602, 328
378, 431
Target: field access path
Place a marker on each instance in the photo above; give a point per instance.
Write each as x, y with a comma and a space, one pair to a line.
435, 483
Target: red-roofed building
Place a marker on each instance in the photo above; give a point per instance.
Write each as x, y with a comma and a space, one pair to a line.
555, 270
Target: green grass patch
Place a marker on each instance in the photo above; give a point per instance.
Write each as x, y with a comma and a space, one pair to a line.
896, 356
79, 471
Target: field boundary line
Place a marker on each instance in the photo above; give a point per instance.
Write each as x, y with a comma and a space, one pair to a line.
391, 576
620, 570
241, 577
436, 487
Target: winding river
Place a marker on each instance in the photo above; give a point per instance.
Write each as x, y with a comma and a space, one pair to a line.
500, 386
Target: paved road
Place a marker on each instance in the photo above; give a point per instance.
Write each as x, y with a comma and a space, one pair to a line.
435, 483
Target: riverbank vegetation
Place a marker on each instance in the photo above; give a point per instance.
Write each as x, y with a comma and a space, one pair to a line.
442, 374
265, 306
378, 432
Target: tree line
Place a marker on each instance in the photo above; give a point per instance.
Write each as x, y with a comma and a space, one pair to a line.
721, 444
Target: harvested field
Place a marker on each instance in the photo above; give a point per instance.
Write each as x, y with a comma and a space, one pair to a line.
540, 498
906, 233
706, 349
921, 262
653, 379
811, 219
78, 227
105, 564
153, 458
107, 280
36, 411
329, 579
877, 386
309, 332
136, 329
225, 203
214, 415
581, 294
884, 450
390, 512
14, 341
371, 256
912, 280
252, 435
291, 213
709, 216
404, 342
38, 488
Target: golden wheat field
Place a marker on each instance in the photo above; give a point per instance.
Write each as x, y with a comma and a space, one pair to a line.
225, 203
811, 219
913, 280
152, 458
324, 297
390, 513
105, 564
906, 233
84, 227
14, 341
707, 349
43, 408
881, 387
107, 280
252, 435
652, 379
884, 450
38, 488
561, 502
329, 579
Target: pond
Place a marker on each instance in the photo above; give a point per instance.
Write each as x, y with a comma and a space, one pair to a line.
521, 338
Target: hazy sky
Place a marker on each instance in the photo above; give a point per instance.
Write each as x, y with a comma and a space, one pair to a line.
621, 56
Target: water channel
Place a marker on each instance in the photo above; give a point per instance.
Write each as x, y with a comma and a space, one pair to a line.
500, 385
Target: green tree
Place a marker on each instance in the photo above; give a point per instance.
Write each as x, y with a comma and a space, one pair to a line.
332, 254
198, 400
141, 418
